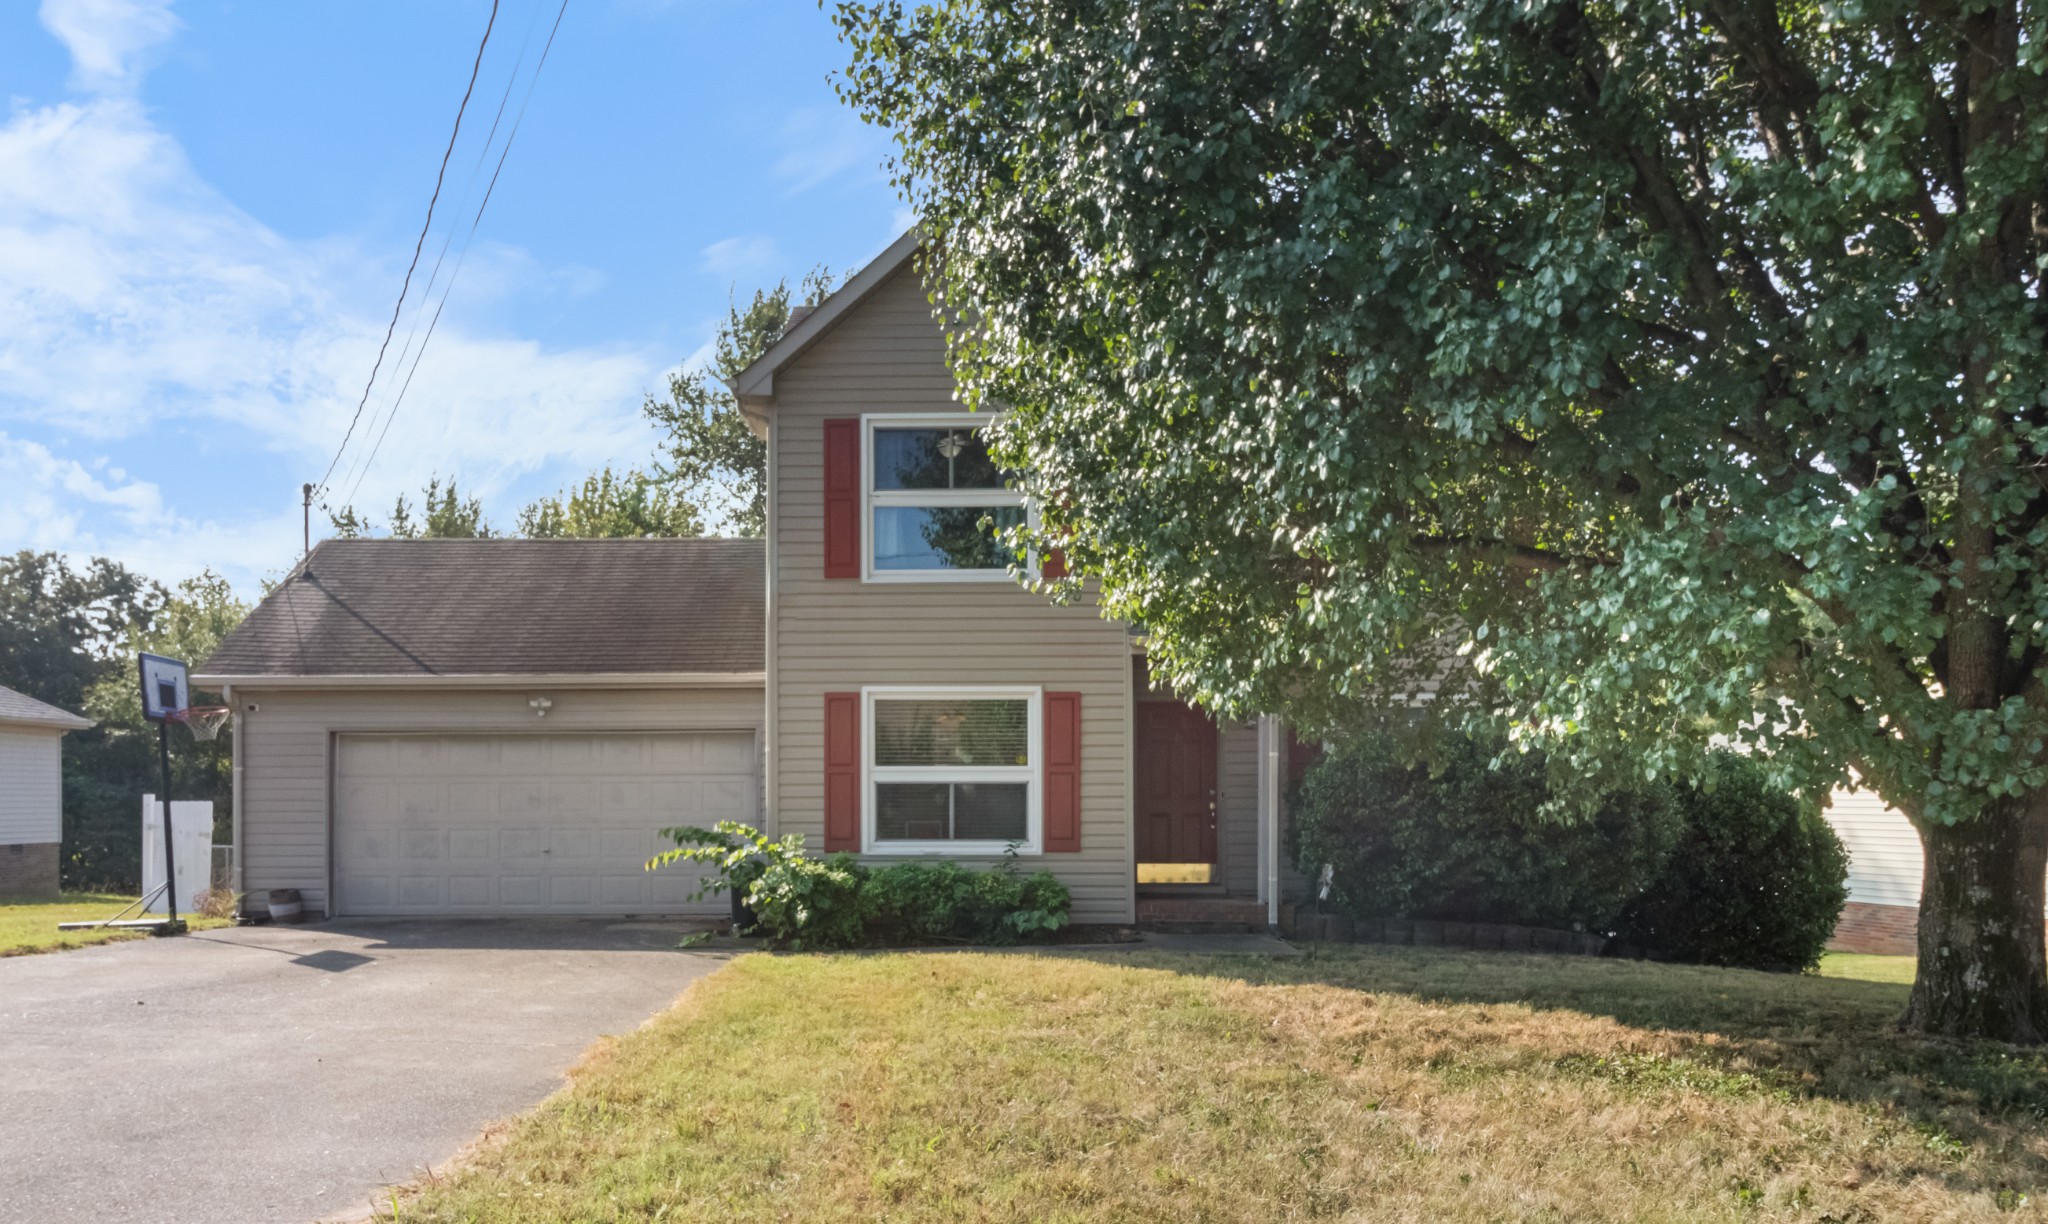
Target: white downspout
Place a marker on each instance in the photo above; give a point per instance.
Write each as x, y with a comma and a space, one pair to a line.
1269, 817
235, 781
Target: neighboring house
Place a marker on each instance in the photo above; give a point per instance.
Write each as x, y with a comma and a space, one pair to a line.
31, 794
498, 726
1883, 912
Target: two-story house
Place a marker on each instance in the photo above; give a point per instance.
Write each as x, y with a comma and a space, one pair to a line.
498, 727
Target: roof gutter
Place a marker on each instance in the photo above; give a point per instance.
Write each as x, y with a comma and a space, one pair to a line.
414, 680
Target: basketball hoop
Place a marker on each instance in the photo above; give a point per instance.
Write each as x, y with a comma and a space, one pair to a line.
204, 722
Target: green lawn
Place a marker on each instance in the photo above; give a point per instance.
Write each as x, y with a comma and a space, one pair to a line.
31, 926
1863, 967
1360, 1083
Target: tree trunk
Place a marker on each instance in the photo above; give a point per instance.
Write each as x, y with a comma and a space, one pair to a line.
1982, 970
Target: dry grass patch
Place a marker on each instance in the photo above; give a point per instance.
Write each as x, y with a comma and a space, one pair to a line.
1380, 1084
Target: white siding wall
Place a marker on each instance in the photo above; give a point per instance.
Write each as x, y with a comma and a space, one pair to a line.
888, 355
31, 787
1884, 849
286, 751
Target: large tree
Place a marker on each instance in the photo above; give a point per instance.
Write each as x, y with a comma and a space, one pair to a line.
1679, 365
709, 453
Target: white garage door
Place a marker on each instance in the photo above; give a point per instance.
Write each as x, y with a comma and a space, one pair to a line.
529, 824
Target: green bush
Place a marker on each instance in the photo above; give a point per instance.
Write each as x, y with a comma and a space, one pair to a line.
801, 902
1468, 843
942, 902
1756, 880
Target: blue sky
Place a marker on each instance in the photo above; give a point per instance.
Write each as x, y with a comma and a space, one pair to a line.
206, 209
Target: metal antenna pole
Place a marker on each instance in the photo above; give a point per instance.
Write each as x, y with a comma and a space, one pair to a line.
163, 746
306, 506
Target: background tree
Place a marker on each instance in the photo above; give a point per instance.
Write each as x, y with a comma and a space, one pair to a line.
607, 506
69, 636
444, 514
709, 452
1681, 366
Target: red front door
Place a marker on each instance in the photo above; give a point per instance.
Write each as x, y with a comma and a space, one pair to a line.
1176, 777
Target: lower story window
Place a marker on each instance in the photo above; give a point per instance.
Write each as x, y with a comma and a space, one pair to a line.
952, 770
952, 811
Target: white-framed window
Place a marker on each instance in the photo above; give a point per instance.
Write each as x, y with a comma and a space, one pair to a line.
928, 485
951, 770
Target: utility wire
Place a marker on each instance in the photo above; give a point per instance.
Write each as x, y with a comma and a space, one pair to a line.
463, 254
418, 246
349, 476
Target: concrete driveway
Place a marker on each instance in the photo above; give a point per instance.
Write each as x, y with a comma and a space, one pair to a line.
269, 1074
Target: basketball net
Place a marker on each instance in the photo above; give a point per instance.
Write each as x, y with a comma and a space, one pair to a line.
204, 722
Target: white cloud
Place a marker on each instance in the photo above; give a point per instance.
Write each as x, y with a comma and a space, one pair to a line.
821, 143
732, 258
108, 38
93, 509
138, 303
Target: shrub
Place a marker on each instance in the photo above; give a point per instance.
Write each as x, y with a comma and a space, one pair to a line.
1757, 879
798, 901
802, 902
941, 902
1469, 843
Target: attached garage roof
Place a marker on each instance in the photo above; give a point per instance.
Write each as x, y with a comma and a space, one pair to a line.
22, 710
418, 609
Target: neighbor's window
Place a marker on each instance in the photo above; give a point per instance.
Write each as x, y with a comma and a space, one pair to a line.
952, 771
936, 502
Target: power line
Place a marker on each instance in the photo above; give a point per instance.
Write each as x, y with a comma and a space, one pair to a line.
359, 462
418, 246
463, 254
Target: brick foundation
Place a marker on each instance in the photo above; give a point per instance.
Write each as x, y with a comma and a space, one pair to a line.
1888, 930
28, 872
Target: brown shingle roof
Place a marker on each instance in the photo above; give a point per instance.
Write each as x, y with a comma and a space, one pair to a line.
20, 709
508, 607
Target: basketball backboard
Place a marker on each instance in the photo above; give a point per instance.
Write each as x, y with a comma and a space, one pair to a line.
164, 687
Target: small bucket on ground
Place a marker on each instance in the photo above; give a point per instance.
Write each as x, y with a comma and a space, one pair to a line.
285, 905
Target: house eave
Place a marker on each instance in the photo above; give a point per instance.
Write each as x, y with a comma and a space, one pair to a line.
754, 386
498, 680
51, 725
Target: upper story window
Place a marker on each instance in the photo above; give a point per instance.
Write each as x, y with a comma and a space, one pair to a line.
936, 501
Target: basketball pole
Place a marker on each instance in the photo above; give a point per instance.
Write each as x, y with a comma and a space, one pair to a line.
163, 748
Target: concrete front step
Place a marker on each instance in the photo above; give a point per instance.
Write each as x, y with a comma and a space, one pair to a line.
1201, 915
1201, 928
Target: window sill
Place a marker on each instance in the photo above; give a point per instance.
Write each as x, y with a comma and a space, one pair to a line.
936, 576
960, 849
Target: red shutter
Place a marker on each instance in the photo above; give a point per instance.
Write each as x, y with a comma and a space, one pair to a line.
1062, 772
1053, 565
842, 498
842, 772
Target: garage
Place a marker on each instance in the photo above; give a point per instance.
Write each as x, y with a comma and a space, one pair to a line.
468, 825
494, 728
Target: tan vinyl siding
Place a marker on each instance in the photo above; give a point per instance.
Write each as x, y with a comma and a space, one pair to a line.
888, 356
31, 786
287, 745
1237, 807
